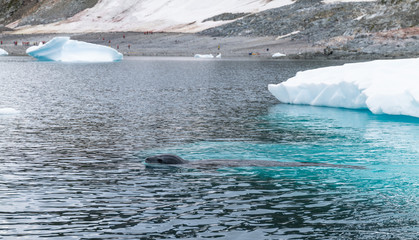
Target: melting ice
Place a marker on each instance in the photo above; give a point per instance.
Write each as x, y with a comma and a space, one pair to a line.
382, 86
8, 111
65, 50
3, 52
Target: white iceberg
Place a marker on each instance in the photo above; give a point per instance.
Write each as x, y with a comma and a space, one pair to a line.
204, 56
3, 52
382, 86
8, 111
278, 55
65, 50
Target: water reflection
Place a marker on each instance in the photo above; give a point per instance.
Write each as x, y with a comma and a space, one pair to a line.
71, 160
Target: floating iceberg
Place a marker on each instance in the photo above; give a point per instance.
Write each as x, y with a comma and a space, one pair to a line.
65, 50
383, 87
204, 56
278, 55
3, 52
8, 111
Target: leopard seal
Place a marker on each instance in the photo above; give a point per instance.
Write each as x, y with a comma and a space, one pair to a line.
173, 160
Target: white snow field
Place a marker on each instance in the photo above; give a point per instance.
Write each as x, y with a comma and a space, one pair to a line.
154, 15
382, 86
63, 49
3, 52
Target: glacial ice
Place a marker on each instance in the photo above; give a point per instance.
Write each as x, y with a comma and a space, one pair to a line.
3, 52
278, 55
8, 111
382, 86
65, 50
204, 56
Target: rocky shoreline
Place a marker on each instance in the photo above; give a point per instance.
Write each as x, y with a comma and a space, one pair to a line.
307, 29
371, 46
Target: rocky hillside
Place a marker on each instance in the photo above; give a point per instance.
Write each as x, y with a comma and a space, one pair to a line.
40, 11
382, 27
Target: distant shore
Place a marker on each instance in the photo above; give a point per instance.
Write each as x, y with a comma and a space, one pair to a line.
185, 45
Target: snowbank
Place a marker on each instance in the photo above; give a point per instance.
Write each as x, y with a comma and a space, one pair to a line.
153, 15
383, 87
3, 52
65, 50
8, 111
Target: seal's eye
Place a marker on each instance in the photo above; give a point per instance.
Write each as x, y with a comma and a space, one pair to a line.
159, 160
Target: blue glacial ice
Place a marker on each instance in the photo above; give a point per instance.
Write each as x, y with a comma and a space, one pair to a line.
382, 86
3, 52
63, 49
8, 111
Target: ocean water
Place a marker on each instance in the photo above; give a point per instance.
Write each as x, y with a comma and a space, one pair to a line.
72, 155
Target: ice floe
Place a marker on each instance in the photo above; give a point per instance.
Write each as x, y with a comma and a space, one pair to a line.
64, 49
3, 52
8, 111
278, 55
204, 56
382, 86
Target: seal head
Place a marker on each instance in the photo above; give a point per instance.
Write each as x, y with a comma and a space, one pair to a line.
165, 159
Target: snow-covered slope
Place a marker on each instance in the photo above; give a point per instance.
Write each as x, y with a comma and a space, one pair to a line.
384, 87
155, 15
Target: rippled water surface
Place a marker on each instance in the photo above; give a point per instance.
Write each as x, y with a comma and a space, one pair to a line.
71, 159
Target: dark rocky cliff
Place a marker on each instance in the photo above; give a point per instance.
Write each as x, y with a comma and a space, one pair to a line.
41, 11
385, 27
317, 21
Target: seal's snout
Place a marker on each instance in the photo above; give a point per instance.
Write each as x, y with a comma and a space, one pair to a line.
165, 159
152, 160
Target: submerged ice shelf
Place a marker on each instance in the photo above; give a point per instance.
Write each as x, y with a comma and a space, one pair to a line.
64, 49
382, 86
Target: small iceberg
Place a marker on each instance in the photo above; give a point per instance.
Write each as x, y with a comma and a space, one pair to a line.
204, 56
62, 49
278, 55
382, 86
3, 52
8, 111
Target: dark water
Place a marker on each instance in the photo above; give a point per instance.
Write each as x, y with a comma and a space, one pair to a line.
71, 160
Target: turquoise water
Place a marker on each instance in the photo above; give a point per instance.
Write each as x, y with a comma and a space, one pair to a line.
72, 158
379, 202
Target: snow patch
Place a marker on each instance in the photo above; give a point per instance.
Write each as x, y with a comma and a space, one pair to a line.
383, 87
287, 35
65, 50
153, 15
